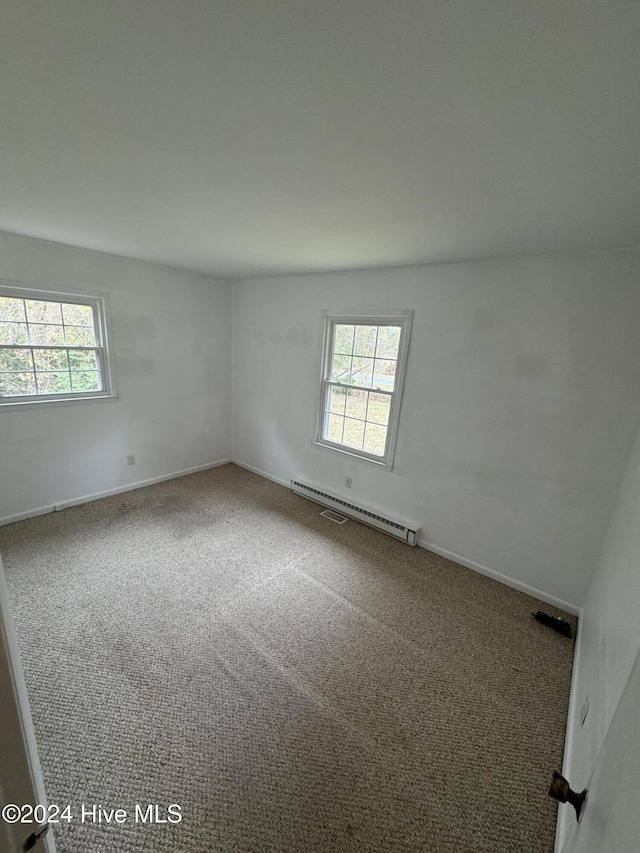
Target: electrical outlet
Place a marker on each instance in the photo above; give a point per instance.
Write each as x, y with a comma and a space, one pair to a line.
584, 710
131, 459
347, 482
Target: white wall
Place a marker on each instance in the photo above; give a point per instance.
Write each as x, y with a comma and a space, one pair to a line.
521, 403
171, 338
610, 643
611, 821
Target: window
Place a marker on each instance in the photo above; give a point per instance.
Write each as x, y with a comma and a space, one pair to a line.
362, 376
52, 347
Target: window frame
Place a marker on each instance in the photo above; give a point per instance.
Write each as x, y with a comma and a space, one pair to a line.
364, 318
99, 305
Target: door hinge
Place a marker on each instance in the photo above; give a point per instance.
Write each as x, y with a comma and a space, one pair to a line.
33, 839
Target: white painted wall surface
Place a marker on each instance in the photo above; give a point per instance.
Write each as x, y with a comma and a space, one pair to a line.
521, 402
171, 339
611, 821
610, 637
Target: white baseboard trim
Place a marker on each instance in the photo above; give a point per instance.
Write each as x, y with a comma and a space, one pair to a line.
96, 496
505, 579
286, 483
564, 815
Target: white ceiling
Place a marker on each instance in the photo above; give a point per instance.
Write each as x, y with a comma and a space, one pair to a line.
252, 137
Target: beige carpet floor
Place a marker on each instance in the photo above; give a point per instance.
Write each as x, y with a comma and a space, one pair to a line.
294, 685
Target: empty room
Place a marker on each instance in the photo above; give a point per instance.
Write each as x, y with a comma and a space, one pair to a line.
319, 426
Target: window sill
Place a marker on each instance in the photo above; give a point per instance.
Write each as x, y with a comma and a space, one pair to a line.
65, 401
387, 464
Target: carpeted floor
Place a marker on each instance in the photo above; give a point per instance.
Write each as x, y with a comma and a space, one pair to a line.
293, 684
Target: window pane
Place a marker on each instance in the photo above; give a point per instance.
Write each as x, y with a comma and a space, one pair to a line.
52, 336
353, 433
16, 359
80, 336
13, 333
53, 383
11, 309
375, 439
388, 342
333, 428
16, 384
50, 359
343, 340
336, 400
356, 404
43, 312
87, 360
49, 346
379, 408
341, 368
365, 340
88, 380
77, 315
362, 371
385, 374
364, 357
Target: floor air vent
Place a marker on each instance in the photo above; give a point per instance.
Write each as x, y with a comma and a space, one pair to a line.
334, 516
396, 529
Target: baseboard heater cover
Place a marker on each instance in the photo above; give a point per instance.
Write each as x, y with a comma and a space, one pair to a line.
400, 531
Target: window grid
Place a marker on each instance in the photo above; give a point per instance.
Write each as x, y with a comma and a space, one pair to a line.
372, 438
364, 360
85, 380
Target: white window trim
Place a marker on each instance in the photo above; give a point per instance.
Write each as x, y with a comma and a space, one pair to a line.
100, 305
363, 318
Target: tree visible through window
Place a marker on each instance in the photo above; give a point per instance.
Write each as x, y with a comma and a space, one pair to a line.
363, 366
50, 349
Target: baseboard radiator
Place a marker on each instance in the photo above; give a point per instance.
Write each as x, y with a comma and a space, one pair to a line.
394, 528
